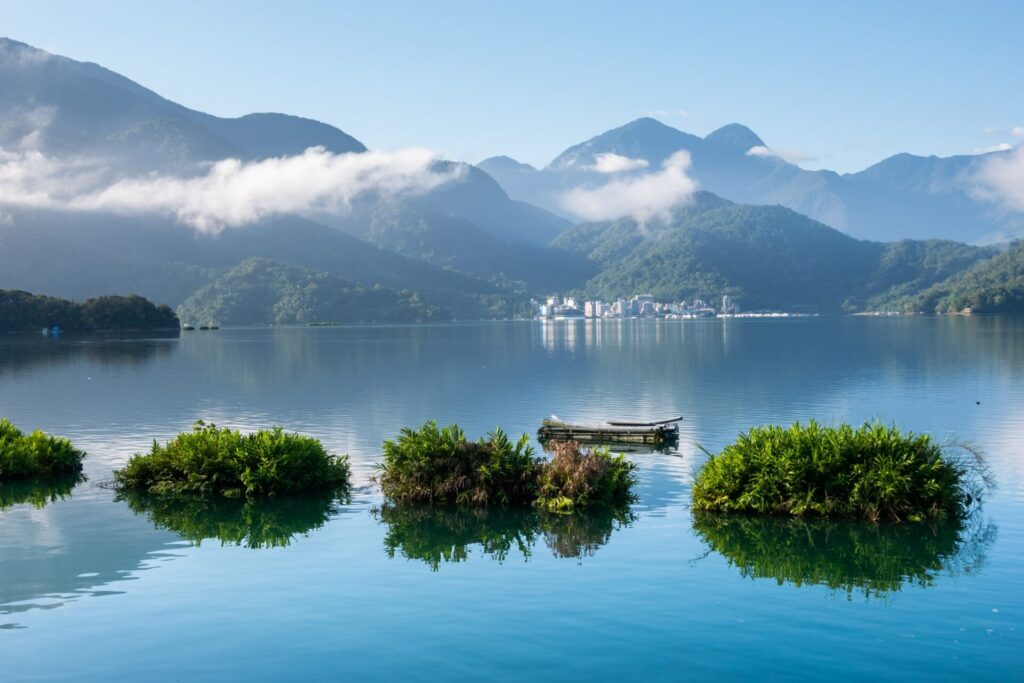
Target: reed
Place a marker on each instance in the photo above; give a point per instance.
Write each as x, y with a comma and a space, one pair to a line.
872, 472
214, 461
35, 455
575, 479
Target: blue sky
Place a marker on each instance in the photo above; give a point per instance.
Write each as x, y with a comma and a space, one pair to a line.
846, 83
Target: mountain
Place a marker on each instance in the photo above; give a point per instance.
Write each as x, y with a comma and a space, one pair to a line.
904, 196
78, 255
262, 291
995, 285
767, 257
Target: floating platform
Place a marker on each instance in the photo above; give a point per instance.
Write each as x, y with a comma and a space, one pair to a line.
655, 432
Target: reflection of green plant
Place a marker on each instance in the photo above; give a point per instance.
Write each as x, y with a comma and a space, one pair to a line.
576, 479
38, 492
248, 522
438, 535
439, 465
36, 454
223, 462
873, 472
847, 556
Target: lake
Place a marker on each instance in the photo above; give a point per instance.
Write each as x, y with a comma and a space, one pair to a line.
94, 587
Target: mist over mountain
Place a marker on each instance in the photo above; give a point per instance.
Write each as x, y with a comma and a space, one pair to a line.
107, 187
904, 196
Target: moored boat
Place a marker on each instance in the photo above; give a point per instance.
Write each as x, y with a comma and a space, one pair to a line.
656, 432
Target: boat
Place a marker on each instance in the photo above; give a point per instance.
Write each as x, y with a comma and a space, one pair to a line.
654, 432
188, 328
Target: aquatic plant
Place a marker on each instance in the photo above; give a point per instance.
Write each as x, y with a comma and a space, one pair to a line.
38, 492
249, 522
440, 535
36, 454
575, 479
440, 465
872, 472
210, 460
847, 555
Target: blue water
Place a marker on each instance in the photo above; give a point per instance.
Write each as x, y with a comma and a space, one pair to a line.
92, 589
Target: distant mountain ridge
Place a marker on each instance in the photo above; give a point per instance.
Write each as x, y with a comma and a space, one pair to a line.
904, 196
767, 257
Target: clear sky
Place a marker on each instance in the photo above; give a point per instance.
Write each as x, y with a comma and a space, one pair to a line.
847, 83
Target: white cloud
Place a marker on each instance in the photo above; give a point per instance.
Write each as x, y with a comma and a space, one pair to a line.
644, 197
793, 156
1001, 147
609, 162
1001, 180
1017, 131
230, 193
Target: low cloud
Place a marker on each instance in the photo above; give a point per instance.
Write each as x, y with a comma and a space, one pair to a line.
230, 193
1001, 147
792, 156
644, 197
1017, 131
1001, 180
609, 162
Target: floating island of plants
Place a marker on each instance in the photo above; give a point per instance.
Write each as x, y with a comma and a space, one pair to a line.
36, 455
873, 472
223, 462
440, 466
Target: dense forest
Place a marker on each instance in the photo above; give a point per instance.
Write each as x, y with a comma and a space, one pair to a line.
262, 291
26, 312
995, 285
768, 257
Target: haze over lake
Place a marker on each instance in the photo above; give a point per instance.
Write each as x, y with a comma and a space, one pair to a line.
97, 588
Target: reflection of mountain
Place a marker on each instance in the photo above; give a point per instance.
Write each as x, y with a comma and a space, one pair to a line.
441, 535
69, 549
266, 523
20, 354
853, 557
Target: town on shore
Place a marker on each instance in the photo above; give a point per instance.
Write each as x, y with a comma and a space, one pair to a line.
644, 306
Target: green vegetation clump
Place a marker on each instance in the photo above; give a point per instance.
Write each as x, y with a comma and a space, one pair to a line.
843, 555
25, 312
576, 479
36, 454
872, 472
209, 460
441, 466
249, 522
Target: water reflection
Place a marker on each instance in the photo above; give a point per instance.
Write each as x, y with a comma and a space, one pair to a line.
20, 354
441, 535
38, 492
850, 557
251, 523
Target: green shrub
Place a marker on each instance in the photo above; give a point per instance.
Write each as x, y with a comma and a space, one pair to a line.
35, 455
249, 522
223, 462
440, 466
576, 479
844, 555
873, 472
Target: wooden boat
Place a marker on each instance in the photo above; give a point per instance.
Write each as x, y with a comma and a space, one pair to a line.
655, 432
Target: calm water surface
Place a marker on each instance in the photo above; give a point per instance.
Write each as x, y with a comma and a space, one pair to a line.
97, 588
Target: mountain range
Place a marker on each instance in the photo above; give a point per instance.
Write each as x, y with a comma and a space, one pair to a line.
448, 240
901, 197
